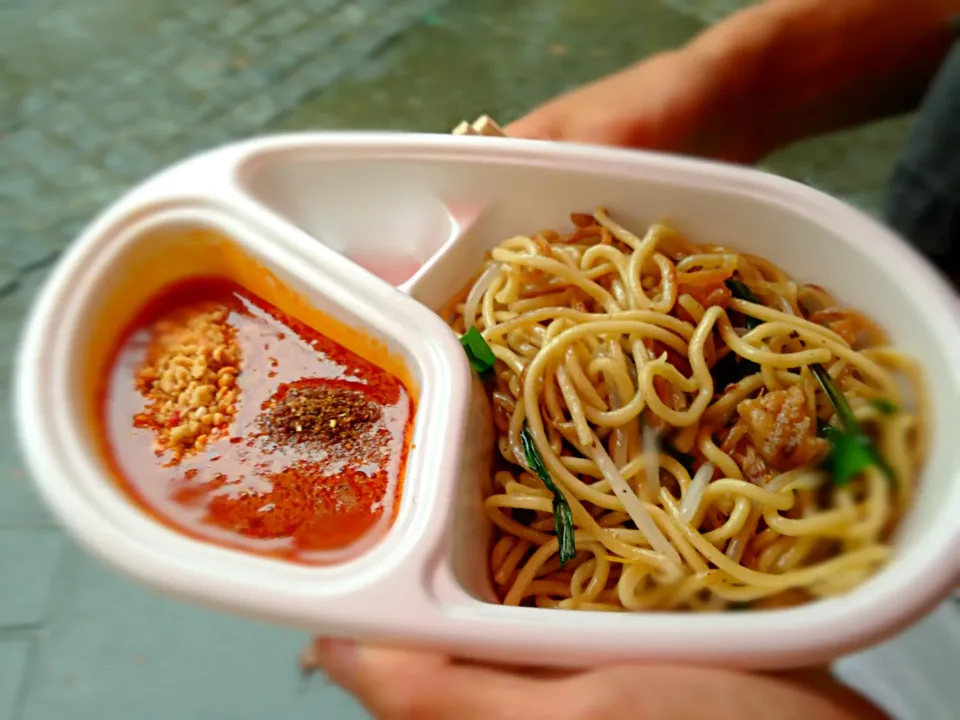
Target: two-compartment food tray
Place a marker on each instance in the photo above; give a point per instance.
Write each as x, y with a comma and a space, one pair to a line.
314, 210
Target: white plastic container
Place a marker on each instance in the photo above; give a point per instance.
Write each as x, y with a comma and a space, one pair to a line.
302, 206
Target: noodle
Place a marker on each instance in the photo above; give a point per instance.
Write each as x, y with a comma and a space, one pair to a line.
679, 397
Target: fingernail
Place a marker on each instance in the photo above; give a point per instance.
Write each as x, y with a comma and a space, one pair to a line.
338, 658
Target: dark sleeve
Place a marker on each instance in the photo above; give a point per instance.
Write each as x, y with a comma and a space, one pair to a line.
922, 202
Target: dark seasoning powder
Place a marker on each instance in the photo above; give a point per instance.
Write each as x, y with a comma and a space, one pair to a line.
330, 413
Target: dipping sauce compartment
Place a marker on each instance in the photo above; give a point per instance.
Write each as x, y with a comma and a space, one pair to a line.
376, 511
239, 425
195, 350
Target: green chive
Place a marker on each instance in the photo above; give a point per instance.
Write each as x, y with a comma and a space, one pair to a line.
847, 419
850, 455
479, 354
562, 517
851, 449
885, 406
731, 370
742, 292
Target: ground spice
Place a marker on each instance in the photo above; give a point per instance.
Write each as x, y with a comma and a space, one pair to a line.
325, 411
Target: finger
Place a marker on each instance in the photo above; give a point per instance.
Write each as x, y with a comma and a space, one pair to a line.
395, 684
821, 681
530, 671
532, 127
337, 655
664, 691
570, 120
310, 657
404, 684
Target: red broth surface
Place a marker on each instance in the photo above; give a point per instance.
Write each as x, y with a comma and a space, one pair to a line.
308, 501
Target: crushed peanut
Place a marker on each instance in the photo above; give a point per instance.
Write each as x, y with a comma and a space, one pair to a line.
189, 379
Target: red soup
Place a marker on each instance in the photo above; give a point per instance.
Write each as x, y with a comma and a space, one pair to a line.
236, 424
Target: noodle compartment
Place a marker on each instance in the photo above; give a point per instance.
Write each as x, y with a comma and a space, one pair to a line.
682, 426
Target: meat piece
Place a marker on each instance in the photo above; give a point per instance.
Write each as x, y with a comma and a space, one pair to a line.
543, 245
579, 300
668, 394
782, 430
753, 466
848, 328
708, 296
737, 444
707, 287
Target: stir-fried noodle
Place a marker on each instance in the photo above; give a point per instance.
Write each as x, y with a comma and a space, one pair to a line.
677, 396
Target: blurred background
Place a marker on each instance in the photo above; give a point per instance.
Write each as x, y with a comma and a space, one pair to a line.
97, 94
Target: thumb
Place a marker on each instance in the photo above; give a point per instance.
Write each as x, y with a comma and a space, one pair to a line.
354, 667
534, 126
578, 118
410, 684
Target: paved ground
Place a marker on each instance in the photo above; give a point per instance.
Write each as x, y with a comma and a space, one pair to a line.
96, 94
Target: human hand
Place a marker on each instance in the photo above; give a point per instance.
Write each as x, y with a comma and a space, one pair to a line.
771, 74
678, 102
398, 684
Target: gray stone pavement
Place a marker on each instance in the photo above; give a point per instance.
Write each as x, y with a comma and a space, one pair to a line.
97, 94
